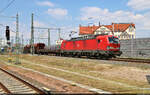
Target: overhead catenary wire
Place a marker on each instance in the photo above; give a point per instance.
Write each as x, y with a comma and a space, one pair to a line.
6, 6
5, 26
7, 16
47, 24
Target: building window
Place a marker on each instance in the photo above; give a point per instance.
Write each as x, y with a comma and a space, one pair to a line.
130, 36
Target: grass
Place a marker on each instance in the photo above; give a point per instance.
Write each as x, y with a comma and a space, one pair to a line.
90, 82
84, 67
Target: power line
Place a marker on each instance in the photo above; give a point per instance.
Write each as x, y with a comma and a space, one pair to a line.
7, 6
7, 16
2, 25
47, 22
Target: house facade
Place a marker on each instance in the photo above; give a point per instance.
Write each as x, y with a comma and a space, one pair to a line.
121, 30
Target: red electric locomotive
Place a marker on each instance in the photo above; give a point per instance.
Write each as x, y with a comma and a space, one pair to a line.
102, 46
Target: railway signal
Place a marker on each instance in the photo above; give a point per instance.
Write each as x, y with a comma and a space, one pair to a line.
17, 36
7, 33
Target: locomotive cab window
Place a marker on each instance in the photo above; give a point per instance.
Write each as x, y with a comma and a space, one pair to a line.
113, 40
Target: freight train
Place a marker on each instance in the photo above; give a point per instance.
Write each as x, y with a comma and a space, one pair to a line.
99, 46
37, 47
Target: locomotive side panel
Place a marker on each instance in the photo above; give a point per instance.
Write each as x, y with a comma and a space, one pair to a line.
68, 45
102, 43
78, 45
62, 47
90, 44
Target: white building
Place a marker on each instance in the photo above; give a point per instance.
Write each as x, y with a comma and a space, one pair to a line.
121, 30
3, 42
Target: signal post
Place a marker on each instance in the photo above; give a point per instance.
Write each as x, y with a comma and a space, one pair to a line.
8, 43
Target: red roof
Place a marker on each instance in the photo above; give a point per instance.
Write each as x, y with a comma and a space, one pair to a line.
121, 27
88, 29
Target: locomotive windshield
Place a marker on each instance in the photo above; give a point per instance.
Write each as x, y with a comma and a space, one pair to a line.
113, 40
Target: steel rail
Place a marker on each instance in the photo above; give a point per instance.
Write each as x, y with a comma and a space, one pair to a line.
109, 59
24, 82
5, 88
131, 60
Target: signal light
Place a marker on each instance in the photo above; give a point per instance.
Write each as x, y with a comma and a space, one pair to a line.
7, 33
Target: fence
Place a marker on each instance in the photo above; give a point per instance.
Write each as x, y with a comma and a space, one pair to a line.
139, 47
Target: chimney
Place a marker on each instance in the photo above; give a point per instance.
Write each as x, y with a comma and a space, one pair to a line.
112, 23
99, 23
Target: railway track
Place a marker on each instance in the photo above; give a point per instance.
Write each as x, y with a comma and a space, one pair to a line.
118, 59
131, 60
123, 59
11, 84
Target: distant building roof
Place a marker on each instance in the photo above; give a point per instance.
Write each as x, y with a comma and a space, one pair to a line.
121, 27
88, 29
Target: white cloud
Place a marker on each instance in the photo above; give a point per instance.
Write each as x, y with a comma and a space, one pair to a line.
46, 3
105, 16
90, 12
57, 12
41, 31
139, 4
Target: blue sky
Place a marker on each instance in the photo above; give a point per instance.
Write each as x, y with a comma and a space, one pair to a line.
68, 14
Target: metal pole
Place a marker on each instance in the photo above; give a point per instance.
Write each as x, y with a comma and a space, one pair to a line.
49, 38
22, 43
131, 43
0, 41
17, 39
32, 36
59, 33
113, 29
132, 48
